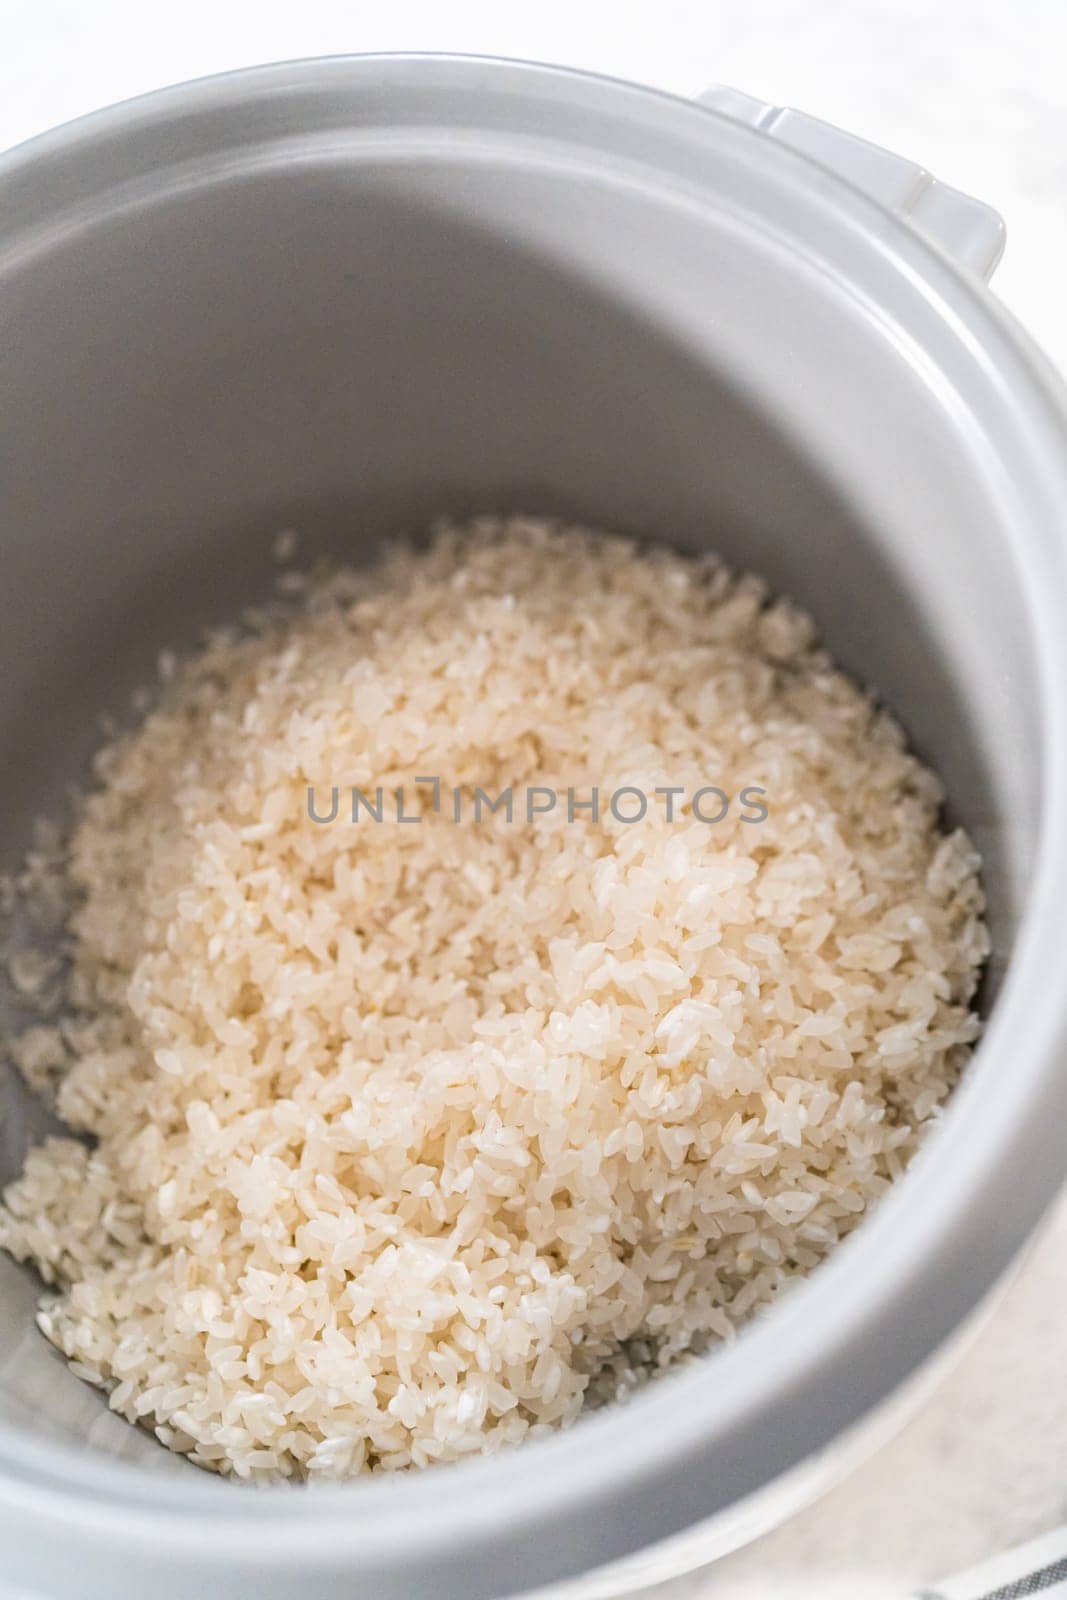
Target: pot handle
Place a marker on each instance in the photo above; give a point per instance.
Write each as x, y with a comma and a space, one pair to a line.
971, 231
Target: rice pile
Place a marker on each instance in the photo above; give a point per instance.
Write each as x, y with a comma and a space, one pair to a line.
410, 1140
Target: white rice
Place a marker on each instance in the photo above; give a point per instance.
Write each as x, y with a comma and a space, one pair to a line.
408, 1141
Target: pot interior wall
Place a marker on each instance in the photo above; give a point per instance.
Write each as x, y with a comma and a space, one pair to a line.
353, 354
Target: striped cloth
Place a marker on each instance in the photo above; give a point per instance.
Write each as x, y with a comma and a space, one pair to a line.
1036, 1568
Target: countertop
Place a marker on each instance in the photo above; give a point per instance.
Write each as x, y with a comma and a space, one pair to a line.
975, 91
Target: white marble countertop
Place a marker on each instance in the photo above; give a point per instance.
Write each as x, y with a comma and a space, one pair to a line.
974, 89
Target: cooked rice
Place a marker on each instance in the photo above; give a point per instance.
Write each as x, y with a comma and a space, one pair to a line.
407, 1141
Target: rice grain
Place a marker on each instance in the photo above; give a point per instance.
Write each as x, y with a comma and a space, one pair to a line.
408, 1141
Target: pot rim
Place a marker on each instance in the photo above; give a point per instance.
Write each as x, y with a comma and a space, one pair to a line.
702, 1421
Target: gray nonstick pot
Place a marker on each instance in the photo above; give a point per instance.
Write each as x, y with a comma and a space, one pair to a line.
347, 295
